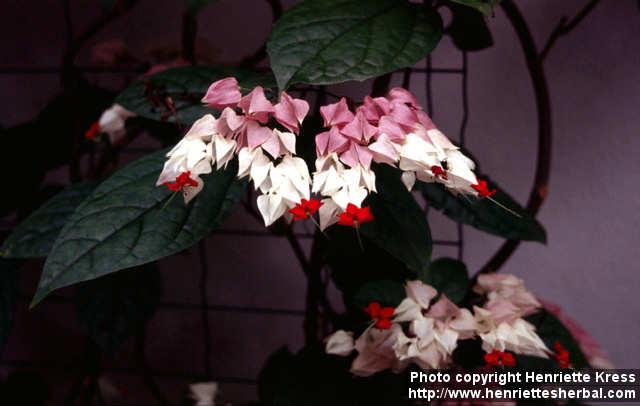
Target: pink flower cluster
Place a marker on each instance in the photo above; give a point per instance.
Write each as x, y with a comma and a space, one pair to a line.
249, 128
376, 131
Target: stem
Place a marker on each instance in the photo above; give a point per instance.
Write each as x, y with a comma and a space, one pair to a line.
563, 27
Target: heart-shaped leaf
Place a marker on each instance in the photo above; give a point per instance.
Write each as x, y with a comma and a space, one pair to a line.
34, 236
127, 221
450, 277
174, 94
468, 29
485, 214
332, 41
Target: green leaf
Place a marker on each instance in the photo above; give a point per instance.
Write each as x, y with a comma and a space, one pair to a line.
185, 87
400, 226
468, 29
450, 277
484, 6
34, 236
8, 294
112, 308
194, 7
551, 330
484, 214
332, 41
123, 223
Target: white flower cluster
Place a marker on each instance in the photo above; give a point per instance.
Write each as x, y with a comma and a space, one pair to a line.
426, 333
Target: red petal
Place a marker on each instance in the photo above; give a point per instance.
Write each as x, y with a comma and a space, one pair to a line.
508, 360
386, 312
352, 209
364, 215
313, 205
373, 309
93, 131
299, 213
383, 324
346, 219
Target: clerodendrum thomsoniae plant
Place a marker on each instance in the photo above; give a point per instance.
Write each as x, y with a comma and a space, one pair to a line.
341, 164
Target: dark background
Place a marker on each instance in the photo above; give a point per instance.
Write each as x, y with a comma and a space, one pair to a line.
589, 265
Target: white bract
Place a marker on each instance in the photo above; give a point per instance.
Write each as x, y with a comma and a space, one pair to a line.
112, 122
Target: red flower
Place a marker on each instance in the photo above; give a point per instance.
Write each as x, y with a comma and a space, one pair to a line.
499, 358
561, 355
439, 172
305, 209
483, 189
181, 181
381, 315
354, 216
93, 131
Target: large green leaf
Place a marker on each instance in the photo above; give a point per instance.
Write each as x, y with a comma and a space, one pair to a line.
484, 6
34, 236
450, 277
332, 41
8, 294
125, 223
400, 226
185, 87
112, 308
484, 214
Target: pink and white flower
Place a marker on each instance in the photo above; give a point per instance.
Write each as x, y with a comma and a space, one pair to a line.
266, 154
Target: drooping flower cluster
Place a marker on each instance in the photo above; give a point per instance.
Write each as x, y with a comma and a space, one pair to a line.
246, 128
393, 130
426, 331
500, 322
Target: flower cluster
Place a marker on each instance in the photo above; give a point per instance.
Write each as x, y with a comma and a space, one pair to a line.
392, 130
246, 128
425, 328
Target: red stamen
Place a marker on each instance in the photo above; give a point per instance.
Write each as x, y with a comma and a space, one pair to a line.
500, 358
93, 131
354, 216
483, 189
438, 172
305, 209
184, 179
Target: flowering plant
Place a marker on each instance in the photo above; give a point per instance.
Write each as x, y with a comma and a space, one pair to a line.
355, 170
